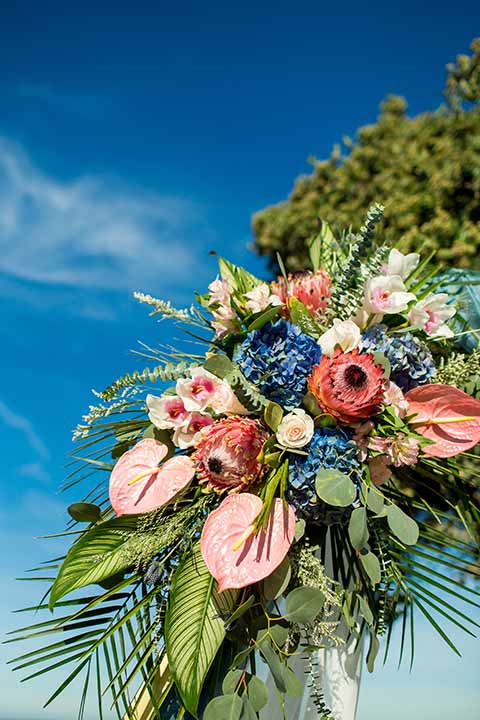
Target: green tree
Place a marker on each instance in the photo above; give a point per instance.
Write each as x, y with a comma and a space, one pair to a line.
425, 170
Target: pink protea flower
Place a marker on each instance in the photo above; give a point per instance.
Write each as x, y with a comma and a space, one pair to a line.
227, 452
312, 289
349, 386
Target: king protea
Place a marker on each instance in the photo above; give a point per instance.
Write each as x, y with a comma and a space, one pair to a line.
349, 386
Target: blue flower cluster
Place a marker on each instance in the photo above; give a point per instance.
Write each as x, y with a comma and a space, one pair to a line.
331, 448
278, 359
410, 359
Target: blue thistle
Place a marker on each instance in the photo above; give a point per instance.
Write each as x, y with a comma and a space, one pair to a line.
410, 359
278, 359
330, 448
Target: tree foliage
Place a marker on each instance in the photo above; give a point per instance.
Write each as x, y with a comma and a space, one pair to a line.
425, 170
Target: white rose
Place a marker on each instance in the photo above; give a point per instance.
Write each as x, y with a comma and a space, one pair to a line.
296, 429
344, 333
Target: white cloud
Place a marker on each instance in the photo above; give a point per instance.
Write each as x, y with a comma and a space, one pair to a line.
91, 233
18, 422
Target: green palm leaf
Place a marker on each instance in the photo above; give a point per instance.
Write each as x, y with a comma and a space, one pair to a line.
97, 555
194, 629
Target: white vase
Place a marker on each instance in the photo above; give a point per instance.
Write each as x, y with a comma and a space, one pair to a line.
337, 673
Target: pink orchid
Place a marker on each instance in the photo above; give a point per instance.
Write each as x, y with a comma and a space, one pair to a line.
185, 436
431, 314
138, 484
233, 553
167, 411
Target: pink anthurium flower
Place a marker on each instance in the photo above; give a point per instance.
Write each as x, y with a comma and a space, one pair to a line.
233, 553
446, 415
138, 484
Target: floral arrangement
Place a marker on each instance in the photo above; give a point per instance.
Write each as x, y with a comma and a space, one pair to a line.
304, 472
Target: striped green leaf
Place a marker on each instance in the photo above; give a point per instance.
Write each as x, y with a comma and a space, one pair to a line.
194, 628
97, 555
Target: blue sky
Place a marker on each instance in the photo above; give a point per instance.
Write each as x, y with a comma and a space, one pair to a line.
133, 140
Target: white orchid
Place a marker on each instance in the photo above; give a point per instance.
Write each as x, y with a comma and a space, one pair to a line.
431, 314
386, 295
344, 334
260, 298
400, 264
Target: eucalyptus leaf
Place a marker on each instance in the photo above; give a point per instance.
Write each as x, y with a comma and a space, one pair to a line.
335, 488
224, 707
375, 500
357, 528
273, 662
240, 657
279, 634
273, 415
372, 567
230, 681
219, 365
293, 683
299, 529
404, 527
248, 711
84, 512
303, 604
275, 584
372, 651
257, 693
365, 610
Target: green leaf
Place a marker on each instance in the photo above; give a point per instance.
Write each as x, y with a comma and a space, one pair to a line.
261, 319
273, 415
240, 657
320, 242
375, 500
194, 629
273, 662
257, 693
279, 634
365, 610
401, 525
357, 528
372, 651
230, 681
241, 609
303, 604
98, 554
238, 278
248, 712
381, 359
84, 512
300, 315
372, 567
300, 526
275, 584
293, 684
219, 365
335, 488
224, 707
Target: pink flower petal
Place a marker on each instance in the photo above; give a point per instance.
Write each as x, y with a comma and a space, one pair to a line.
439, 411
157, 486
259, 555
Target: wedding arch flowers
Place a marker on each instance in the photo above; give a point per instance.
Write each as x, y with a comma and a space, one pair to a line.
330, 414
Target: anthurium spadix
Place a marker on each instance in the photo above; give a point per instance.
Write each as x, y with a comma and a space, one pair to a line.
234, 553
139, 483
447, 416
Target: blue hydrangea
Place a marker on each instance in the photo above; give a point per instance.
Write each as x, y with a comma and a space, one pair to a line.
410, 359
278, 359
331, 448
